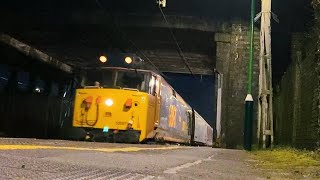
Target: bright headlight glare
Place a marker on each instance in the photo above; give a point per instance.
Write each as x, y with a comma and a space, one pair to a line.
128, 60
103, 59
109, 102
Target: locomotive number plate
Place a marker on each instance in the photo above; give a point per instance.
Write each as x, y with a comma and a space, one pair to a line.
108, 114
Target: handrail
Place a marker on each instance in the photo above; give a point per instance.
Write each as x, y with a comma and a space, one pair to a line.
131, 89
91, 87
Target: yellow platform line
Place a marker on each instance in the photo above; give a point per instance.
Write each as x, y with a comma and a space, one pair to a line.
124, 149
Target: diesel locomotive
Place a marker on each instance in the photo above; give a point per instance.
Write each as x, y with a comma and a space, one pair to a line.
117, 104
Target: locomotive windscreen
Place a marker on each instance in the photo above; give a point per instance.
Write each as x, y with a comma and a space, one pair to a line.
117, 78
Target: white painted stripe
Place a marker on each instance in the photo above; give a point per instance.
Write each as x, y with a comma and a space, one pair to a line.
120, 177
134, 176
187, 165
88, 175
107, 176
175, 169
148, 177
102, 177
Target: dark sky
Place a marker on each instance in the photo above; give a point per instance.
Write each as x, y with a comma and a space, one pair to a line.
197, 91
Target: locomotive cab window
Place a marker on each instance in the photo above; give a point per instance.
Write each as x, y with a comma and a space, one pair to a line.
117, 79
131, 79
152, 85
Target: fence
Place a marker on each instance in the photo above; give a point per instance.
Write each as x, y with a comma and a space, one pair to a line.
297, 98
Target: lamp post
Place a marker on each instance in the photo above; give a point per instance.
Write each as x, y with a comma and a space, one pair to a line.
249, 100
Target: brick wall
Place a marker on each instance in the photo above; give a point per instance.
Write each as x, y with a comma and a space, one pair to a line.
232, 62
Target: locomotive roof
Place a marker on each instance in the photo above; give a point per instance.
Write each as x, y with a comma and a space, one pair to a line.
122, 68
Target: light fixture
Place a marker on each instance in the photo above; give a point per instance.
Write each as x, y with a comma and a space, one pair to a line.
109, 102
128, 60
103, 59
37, 89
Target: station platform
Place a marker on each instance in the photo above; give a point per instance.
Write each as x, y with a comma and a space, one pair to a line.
59, 159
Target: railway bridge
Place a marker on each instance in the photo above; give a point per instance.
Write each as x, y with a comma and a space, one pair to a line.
199, 47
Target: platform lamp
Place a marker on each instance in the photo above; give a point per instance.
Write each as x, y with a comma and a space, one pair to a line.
103, 58
133, 61
128, 60
162, 3
247, 143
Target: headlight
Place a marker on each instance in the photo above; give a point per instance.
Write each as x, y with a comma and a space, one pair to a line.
109, 102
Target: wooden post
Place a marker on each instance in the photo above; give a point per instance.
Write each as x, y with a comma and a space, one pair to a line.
265, 116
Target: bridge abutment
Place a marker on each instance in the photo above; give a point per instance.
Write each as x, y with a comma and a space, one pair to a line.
232, 61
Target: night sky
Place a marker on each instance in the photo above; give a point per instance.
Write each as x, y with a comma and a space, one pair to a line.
197, 90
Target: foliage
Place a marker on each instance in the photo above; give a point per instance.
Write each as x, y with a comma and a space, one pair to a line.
316, 4
286, 158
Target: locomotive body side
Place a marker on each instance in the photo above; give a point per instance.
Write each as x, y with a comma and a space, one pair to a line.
174, 122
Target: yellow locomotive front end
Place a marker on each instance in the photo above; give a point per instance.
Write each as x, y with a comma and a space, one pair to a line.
115, 105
